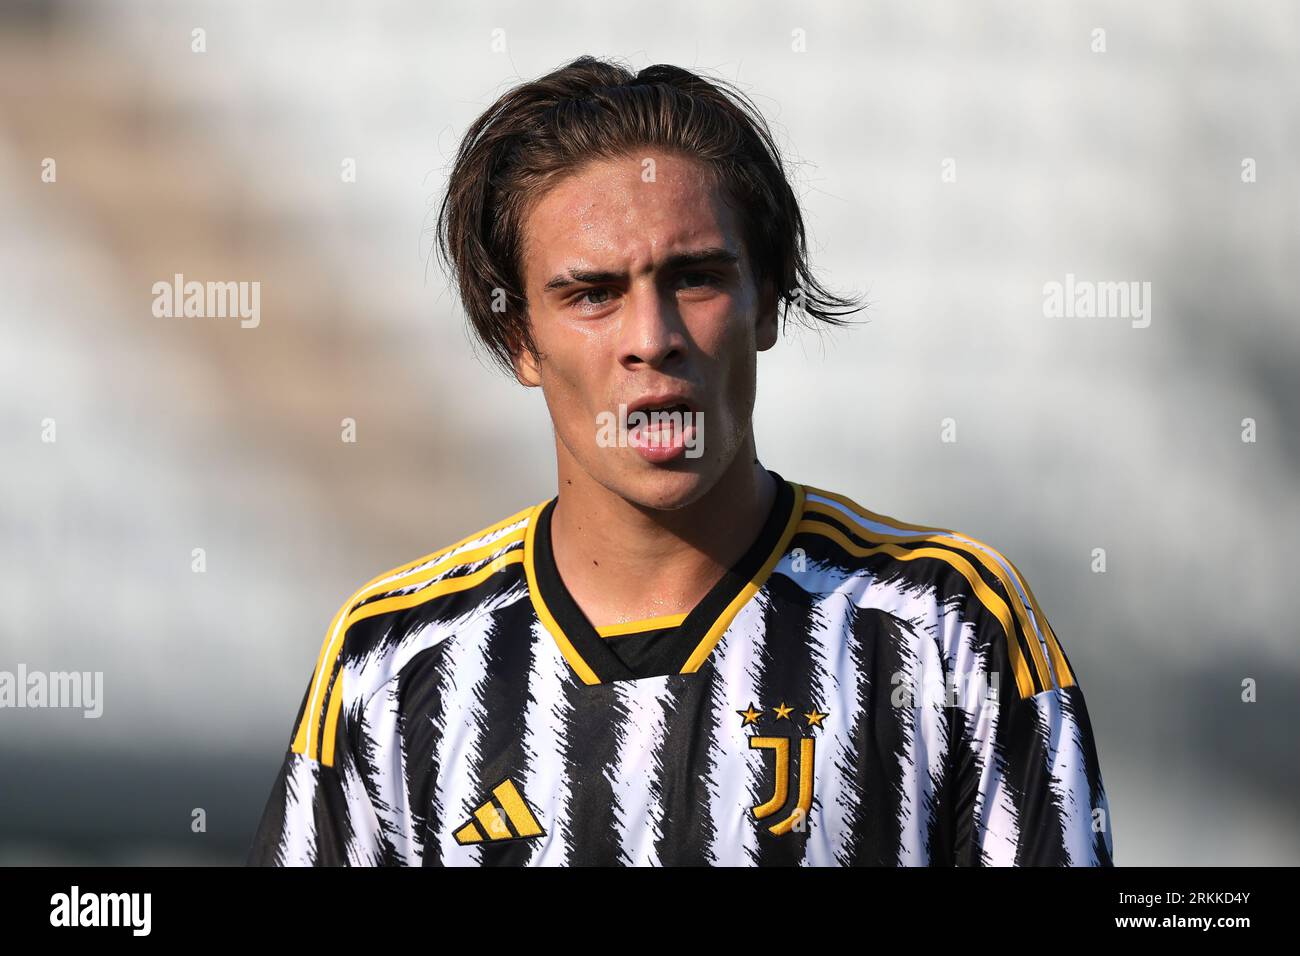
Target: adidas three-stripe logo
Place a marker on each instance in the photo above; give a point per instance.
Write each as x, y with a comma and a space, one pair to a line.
504, 817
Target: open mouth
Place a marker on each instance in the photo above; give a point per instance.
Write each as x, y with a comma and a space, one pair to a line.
651, 412
661, 431
662, 422
665, 406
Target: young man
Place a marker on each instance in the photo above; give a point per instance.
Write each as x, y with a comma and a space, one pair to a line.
682, 657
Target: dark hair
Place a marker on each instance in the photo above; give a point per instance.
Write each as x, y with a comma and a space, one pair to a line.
595, 109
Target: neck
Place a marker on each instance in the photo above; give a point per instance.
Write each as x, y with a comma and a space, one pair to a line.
622, 561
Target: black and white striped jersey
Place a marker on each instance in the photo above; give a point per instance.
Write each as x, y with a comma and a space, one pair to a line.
855, 690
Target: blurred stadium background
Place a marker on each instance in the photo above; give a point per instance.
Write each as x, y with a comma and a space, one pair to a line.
1074, 434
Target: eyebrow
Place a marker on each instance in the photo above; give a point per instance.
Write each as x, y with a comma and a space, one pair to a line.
680, 260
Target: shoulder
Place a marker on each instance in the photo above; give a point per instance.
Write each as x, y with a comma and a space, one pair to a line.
448, 570
357, 651
1009, 628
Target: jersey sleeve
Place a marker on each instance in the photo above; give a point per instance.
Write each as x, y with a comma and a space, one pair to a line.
1028, 769
319, 812
1039, 797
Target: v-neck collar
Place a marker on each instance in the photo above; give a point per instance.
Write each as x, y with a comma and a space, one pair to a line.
694, 638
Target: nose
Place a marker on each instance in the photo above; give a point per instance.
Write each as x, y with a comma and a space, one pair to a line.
652, 330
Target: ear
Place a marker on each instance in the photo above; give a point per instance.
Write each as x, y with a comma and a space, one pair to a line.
767, 325
528, 371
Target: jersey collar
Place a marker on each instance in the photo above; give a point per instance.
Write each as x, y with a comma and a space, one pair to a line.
698, 633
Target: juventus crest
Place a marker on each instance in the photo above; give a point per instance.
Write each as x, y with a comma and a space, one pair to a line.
794, 752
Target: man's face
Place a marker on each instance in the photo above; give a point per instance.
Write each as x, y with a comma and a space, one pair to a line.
642, 291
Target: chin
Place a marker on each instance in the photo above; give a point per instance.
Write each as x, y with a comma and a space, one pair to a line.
666, 488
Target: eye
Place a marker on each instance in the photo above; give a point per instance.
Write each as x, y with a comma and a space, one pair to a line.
592, 297
698, 280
